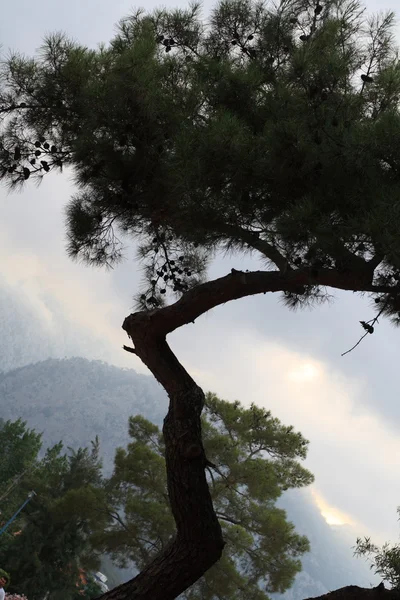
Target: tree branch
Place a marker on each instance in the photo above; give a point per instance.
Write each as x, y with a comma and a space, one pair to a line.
370, 329
239, 284
129, 349
225, 517
253, 240
355, 345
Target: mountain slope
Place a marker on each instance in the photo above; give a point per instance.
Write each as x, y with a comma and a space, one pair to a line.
74, 399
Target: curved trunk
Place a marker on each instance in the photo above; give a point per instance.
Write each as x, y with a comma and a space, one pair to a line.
198, 544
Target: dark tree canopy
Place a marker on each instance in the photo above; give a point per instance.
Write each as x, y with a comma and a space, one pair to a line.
266, 129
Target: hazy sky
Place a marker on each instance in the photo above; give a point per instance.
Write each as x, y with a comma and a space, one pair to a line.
254, 350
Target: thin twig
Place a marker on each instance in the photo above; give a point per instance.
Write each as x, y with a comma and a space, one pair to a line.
355, 345
129, 349
372, 322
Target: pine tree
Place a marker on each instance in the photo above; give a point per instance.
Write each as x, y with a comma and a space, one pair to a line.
270, 130
20, 448
56, 526
253, 458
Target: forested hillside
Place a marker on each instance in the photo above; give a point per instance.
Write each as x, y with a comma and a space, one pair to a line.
72, 400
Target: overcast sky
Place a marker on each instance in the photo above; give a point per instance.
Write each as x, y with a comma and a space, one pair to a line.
253, 350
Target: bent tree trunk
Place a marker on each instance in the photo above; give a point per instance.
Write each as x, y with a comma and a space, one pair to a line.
198, 544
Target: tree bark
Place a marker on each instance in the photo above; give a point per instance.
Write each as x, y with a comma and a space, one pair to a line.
198, 543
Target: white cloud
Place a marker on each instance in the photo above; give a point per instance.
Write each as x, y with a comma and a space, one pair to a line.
34, 263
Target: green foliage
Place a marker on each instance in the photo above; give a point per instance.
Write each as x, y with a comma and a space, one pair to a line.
271, 129
50, 539
254, 458
102, 395
385, 560
20, 450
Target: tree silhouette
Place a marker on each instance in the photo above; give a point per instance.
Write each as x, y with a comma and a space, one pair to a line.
270, 130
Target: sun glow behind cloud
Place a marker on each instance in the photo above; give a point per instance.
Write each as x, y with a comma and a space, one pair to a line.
304, 372
332, 515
